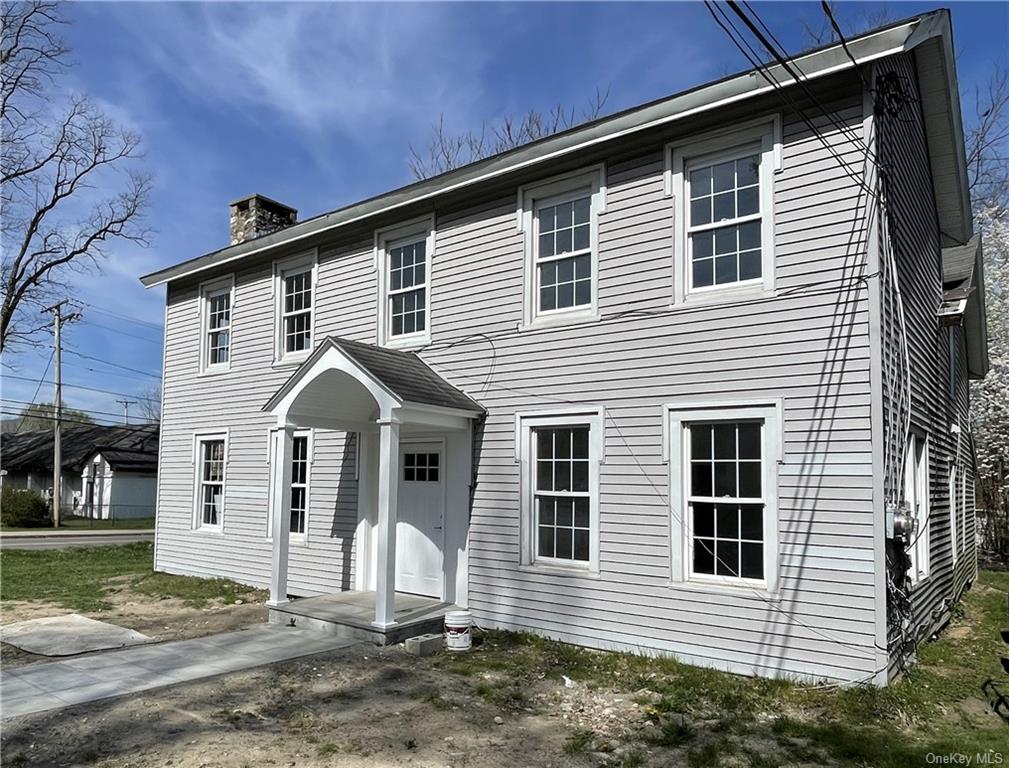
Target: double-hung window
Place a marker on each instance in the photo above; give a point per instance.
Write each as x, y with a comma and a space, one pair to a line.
564, 253
723, 220
295, 281
300, 489
404, 262
723, 197
216, 305
299, 484
723, 461
210, 466
559, 220
560, 456
916, 495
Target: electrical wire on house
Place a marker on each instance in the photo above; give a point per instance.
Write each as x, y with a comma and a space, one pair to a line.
114, 365
110, 329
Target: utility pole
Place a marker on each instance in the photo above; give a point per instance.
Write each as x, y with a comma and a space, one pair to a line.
57, 310
126, 407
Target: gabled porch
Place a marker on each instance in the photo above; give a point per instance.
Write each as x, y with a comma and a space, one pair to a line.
414, 440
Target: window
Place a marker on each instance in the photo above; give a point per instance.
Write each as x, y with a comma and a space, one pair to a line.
559, 219
300, 490
210, 482
562, 499
560, 456
408, 288
564, 254
725, 499
215, 346
295, 301
403, 257
723, 196
299, 484
954, 513
421, 467
916, 495
723, 221
723, 459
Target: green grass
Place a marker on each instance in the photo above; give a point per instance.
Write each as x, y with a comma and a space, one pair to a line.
937, 706
78, 578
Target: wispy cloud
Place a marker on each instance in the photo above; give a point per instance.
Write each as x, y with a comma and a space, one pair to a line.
320, 66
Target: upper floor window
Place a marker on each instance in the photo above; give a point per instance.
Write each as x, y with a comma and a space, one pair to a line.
559, 218
215, 346
404, 264
296, 284
723, 221
723, 196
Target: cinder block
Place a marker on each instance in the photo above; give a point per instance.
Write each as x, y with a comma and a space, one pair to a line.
424, 645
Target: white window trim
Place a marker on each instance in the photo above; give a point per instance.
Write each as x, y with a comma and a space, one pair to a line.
525, 422
954, 511
309, 260
920, 550
271, 452
386, 239
209, 289
763, 134
557, 189
196, 461
676, 416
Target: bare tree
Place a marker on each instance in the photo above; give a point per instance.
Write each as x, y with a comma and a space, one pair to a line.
987, 140
445, 150
149, 403
68, 186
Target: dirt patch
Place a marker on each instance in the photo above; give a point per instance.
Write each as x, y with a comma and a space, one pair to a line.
161, 619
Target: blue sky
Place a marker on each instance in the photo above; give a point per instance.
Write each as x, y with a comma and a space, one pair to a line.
316, 105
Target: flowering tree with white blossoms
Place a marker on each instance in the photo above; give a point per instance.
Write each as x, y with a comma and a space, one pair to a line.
990, 396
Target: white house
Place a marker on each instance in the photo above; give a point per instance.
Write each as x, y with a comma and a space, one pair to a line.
688, 379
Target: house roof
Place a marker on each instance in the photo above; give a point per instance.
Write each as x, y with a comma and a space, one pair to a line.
929, 34
963, 286
134, 448
403, 373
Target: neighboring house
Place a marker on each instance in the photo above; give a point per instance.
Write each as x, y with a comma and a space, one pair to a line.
670, 381
108, 472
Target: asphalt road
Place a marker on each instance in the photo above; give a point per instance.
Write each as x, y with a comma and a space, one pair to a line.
64, 540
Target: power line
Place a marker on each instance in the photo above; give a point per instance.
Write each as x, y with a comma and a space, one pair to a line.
110, 329
105, 371
118, 315
87, 411
115, 365
9, 411
73, 386
41, 382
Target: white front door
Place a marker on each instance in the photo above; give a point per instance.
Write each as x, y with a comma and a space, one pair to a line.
420, 518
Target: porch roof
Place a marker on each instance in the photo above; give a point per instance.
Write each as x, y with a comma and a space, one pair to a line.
403, 374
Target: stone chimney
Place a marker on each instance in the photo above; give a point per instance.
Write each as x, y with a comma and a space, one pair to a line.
256, 215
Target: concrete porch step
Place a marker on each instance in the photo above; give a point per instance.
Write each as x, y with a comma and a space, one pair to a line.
349, 615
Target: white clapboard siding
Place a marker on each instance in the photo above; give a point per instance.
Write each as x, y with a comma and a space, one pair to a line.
914, 237
808, 345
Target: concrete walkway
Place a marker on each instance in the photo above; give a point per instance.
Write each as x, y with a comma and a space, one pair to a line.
103, 675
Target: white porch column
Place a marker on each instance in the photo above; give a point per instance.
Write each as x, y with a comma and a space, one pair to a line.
388, 498
280, 513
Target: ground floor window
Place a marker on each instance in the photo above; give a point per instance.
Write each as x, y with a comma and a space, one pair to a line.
210, 452
916, 496
560, 458
723, 463
300, 488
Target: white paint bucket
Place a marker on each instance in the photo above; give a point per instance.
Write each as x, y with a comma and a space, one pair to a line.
458, 630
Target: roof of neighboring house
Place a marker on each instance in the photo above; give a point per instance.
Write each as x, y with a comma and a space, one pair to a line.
929, 35
130, 448
403, 373
963, 292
